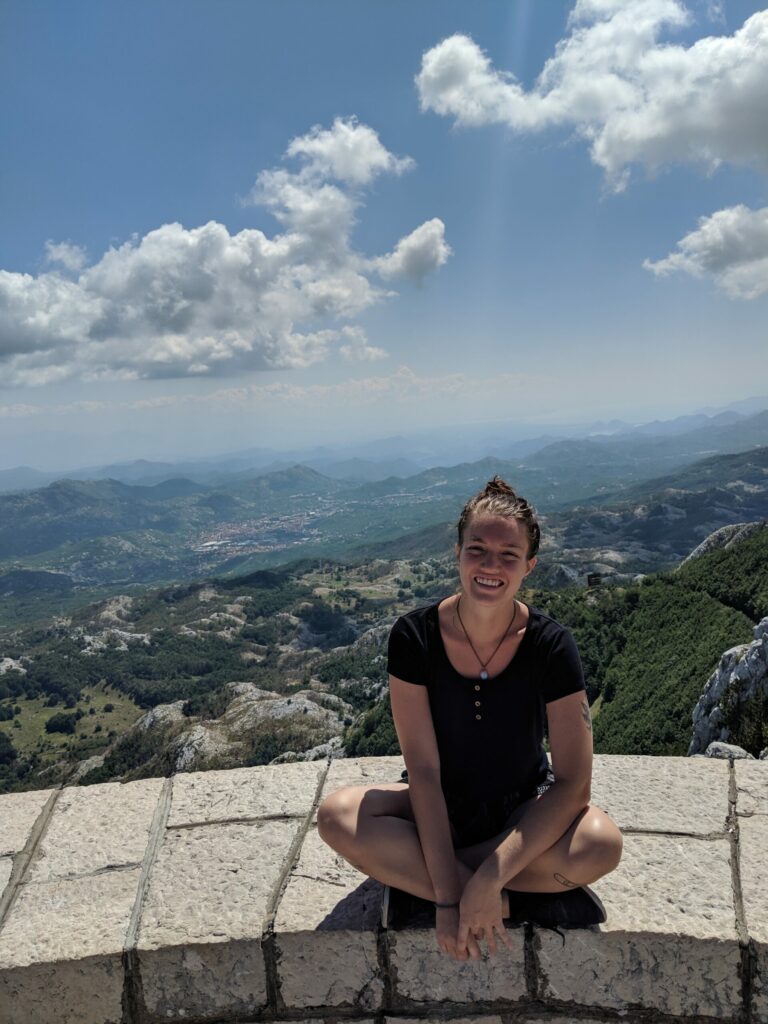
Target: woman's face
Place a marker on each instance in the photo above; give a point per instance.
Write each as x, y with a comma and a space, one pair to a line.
493, 558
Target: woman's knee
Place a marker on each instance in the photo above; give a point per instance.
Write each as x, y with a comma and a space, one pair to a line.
337, 812
600, 840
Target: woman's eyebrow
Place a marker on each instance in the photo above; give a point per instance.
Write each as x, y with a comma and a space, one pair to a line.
507, 547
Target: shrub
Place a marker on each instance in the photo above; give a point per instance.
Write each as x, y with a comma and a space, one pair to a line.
61, 723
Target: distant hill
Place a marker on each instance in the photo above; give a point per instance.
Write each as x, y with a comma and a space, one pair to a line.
741, 471
21, 582
660, 521
597, 516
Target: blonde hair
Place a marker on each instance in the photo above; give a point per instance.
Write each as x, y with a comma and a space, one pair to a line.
498, 499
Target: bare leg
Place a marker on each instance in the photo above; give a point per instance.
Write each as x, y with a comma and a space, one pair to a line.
373, 828
587, 850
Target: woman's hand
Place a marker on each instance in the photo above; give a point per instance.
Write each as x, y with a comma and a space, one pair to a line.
447, 928
480, 918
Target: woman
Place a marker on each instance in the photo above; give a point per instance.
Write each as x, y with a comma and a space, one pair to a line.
483, 828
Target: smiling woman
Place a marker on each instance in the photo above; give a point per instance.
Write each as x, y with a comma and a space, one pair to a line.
481, 825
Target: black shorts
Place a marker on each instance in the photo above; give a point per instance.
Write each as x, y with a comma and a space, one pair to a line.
474, 821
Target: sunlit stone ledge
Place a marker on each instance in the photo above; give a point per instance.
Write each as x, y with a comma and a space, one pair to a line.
210, 897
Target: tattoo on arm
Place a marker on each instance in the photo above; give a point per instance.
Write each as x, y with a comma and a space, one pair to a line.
586, 715
564, 881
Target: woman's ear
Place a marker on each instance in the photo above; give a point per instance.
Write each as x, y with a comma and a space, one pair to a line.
531, 565
457, 550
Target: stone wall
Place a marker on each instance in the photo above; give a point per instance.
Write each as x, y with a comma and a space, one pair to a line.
210, 897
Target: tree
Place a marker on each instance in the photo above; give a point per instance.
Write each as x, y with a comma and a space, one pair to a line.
61, 723
7, 750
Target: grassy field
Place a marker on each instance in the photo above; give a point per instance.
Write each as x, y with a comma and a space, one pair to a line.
30, 735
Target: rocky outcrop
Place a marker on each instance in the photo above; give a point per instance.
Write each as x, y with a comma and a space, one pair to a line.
727, 751
744, 669
726, 537
197, 744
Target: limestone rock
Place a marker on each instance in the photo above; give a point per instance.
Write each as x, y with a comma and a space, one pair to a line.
333, 748
726, 537
89, 764
560, 575
726, 750
201, 744
744, 667
11, 665
161, 715
223, 742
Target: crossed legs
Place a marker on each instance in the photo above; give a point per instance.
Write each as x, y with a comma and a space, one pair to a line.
373, 828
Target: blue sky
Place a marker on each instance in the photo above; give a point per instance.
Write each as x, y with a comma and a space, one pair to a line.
478, 244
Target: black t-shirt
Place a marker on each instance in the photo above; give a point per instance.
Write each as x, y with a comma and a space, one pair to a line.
489, 732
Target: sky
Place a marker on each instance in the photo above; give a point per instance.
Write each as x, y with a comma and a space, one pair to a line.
231, 224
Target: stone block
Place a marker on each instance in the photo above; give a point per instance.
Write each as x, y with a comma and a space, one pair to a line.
204, 981
491, 1019
93, 828
361, 771
212, 887
753, 849
76, 992
751, 787
669, 943
61, 946
18, 813
662, 794
267, 791
569, 1019
753, 844
325, 933
760, 988
6, 866
422, 974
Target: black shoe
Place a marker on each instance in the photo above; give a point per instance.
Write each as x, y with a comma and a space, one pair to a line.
399, 910
573, 908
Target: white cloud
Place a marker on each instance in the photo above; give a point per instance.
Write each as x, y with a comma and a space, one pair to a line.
417, 254
350, 152
730, 246
357, 348
71, 257
184, 302
635, 99
402, 386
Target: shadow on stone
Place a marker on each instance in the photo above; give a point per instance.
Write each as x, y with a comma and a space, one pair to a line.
358, 910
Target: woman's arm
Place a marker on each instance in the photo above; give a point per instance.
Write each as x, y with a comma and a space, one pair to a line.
413, 723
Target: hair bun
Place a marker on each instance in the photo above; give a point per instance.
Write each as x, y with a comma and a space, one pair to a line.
499, 499
498, 486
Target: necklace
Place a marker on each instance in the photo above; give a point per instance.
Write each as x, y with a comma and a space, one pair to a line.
484, 664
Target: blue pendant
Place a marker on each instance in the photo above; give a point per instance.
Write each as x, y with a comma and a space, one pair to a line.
483, 674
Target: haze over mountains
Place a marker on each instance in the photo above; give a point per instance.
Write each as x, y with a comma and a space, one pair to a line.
407, 455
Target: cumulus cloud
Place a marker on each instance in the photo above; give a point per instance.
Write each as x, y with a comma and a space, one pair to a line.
418, 254
181, 302
730, 246
349, 152
634, 98
356, 347
71, 257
